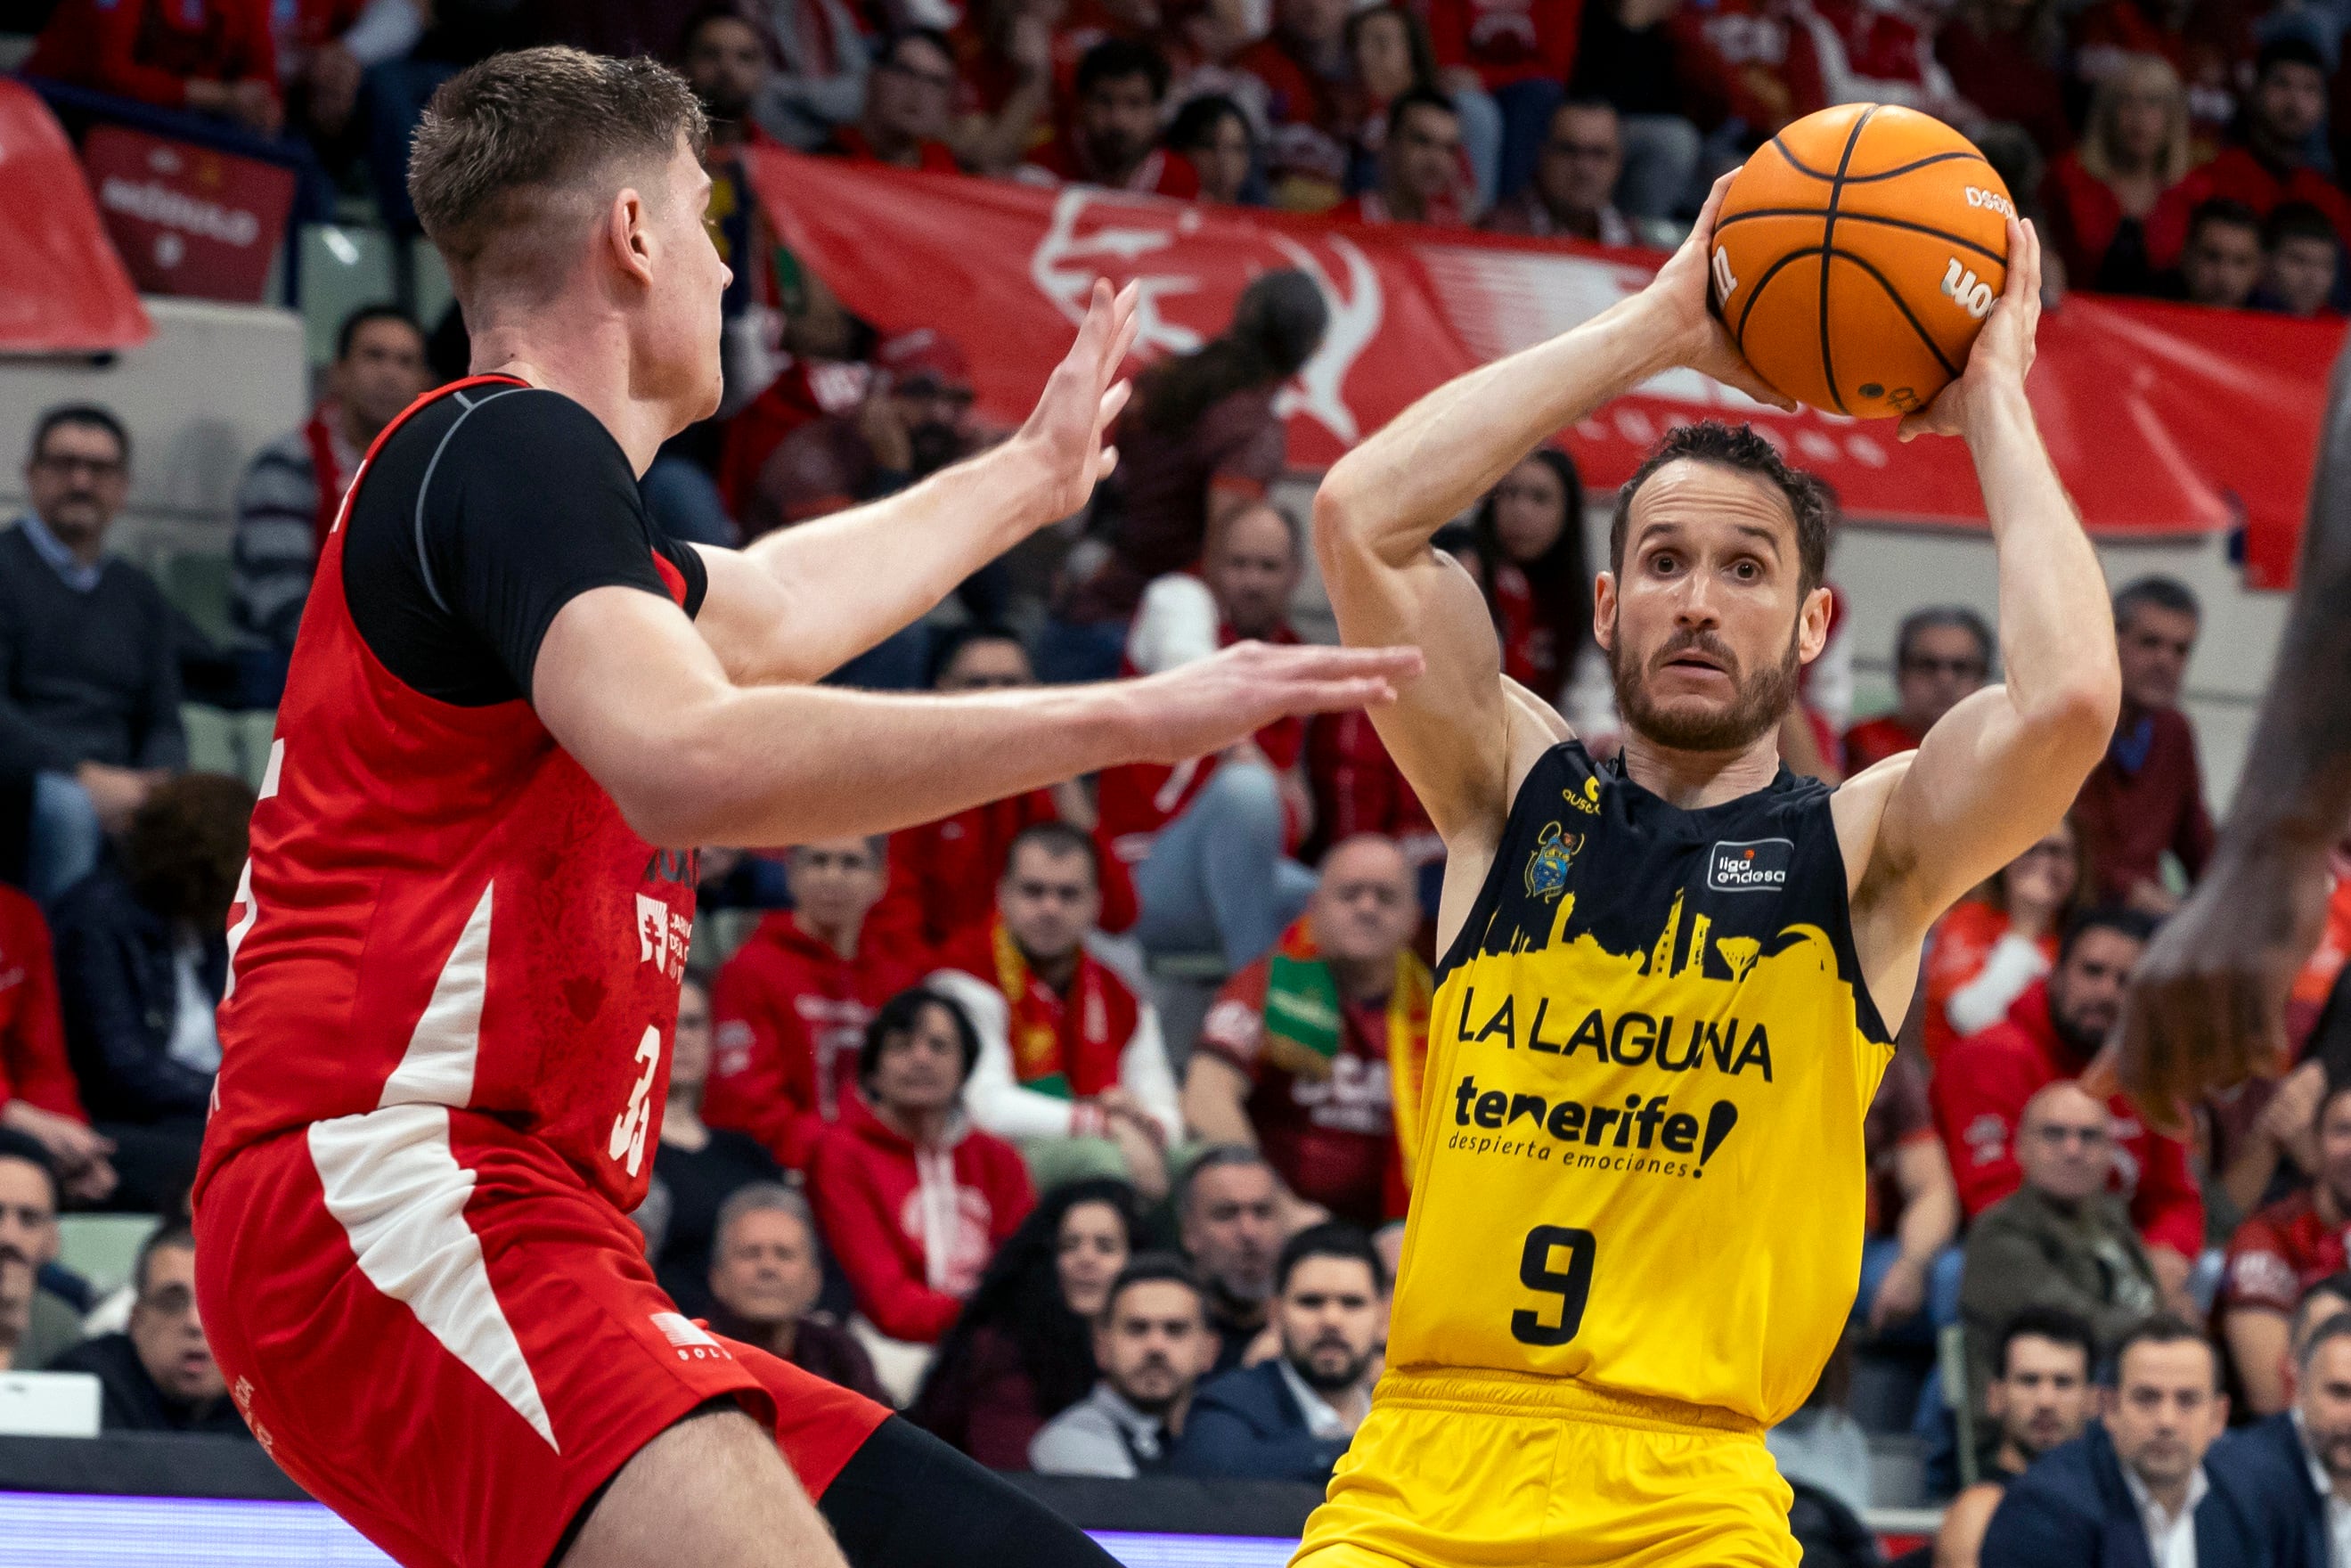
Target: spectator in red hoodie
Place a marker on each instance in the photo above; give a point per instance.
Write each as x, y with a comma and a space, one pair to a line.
913, 1198
208, 57
1420, 167
2001, 55
2270, 164
1071, 1063
2147, 796
38, 1094
2281, 1252
793, 1003
1517, 52
1985, 952
1982, 1084
1942, 654
1112, 138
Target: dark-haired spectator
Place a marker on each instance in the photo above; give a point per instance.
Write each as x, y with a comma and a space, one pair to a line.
1983, 1083
700, 1165
2270, 162
2220, 265
36, 1324
1628, 56
2147, 797
89, 676
1022, 1350
1518, 53
1572, 194
39, 1098
2040, 1396
910, 97
2002, 58
2306, 255
1942, 654
913, 1198
2295, 1466
793, 1003
1200, 441
142, 959
1530, 532
1152, 1344
2279, 1253
1388, 55
286, 506
1112, 138
2204, 41
1296, 1054
1303, 68
2133, 1489
1420, 167
207, 57
1985, 951
823, 57
1290, 1417
1213, 134
1229, 1213
765, 1276
1071, 1064
159, 1376
2118, 212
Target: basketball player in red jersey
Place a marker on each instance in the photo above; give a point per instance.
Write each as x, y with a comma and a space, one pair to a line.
455, 953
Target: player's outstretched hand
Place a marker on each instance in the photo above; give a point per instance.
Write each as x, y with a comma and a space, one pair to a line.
1700, 340
2002, 353
2206, 1006
1065, 432
1205, 706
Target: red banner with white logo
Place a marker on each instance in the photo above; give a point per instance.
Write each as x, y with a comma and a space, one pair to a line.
187, 219
62, 288
2163, 419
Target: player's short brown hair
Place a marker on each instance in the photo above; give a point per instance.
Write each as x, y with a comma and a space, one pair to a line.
521, 147
1737, 447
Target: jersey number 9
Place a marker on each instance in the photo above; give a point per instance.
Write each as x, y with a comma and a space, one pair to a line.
1572, 1285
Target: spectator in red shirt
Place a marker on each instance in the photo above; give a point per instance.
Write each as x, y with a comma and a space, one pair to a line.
2117, 213
2280, 1253
1530, 533
1358, 789
38, 1094
2051, 1032
1942, 654
1112, 138
2147, 796
1303, 68
1517, 52
1307, 1052
1982, 955
1210, 839
1877, 51
910, 95
2304, 256
793, 1003
944, 875
2000, 55
1213, 134
1067, 1053
2270, 164
913, 1198
1742, 70
1572, 194
208, 57
2221, 266
1420, 167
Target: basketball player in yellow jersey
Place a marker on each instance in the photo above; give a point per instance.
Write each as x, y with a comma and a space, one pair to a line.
1669, 982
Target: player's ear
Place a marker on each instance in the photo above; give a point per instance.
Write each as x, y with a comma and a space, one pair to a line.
1604, 610
628, 234
1813, 624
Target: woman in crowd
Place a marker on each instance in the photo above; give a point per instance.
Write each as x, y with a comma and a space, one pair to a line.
699, 1166
1530, 534
1388, 48
2115, 215
1986, 950
1214, 134
1022, 1352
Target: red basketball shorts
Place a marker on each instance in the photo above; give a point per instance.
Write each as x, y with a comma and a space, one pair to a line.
438, 1330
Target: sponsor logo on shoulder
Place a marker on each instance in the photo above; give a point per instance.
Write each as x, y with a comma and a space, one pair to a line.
1752, 865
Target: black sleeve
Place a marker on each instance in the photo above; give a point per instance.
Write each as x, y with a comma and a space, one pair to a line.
500, 507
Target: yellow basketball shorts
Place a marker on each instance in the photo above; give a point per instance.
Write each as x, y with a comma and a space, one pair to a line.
1487, 1470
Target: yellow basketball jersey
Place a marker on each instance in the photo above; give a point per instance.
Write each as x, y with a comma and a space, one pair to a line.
1638, 1151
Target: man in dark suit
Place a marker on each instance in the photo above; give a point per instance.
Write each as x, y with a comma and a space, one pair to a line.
2295, 1466
2133, 1491
1290, 1417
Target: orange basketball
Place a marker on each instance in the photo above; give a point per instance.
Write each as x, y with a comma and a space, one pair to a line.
1856, 256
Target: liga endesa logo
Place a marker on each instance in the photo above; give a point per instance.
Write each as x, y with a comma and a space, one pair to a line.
1755, 866
1654, 1139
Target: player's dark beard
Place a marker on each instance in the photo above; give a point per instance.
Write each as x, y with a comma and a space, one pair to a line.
932, 445
1760, 699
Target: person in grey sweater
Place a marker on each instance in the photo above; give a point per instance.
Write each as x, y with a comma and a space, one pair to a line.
1153, 1346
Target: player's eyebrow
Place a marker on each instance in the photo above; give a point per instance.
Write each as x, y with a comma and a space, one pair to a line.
1768, 536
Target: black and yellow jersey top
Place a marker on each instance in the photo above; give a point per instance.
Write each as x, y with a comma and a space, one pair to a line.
1638, 1151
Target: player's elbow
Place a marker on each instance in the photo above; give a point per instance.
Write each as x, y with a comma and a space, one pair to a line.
2076, 714
1341, 521
678, 796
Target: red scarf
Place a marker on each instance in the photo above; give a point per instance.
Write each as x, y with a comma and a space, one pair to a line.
1068, 1047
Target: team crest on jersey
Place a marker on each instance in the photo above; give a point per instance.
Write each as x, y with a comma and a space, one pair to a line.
1547, 867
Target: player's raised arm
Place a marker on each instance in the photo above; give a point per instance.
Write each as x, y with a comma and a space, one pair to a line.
802, 602
2207, 1004
1455, 733
1999, 770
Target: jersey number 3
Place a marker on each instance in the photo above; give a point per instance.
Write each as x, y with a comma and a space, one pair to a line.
1572, 1284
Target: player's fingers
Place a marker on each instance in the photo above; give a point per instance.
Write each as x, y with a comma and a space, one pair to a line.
1319, 663
1123, 344
1714, 195
1112, 401
1335, 696
1104, 464
1746, 378
1093, 330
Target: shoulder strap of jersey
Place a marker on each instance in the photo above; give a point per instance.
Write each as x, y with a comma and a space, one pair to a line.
424, 401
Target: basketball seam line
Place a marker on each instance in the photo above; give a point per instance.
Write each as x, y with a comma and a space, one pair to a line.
1904, 305
1756, 293
1806, 169
1828, 253
1985, 251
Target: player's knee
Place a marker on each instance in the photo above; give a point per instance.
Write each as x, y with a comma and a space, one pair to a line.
710, 1492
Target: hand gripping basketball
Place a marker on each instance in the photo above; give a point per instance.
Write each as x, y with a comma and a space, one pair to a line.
2002, 354
1700, 338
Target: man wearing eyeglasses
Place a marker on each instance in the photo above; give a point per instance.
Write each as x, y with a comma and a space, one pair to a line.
159, 1376
915, 420
910, 97
2060, 1239
1942, 654
1573, 195
90, 683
